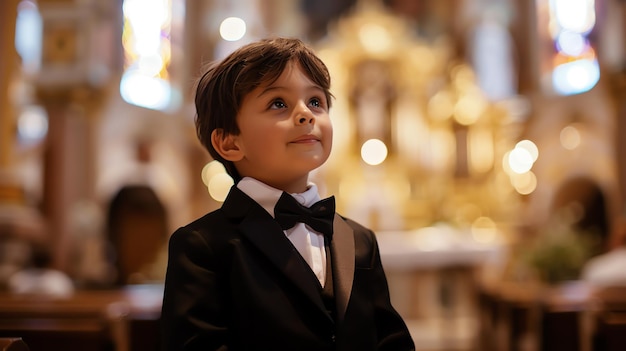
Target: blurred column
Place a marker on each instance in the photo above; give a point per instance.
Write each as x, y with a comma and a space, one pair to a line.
77, 59
8, 65
524, 31
199, 50
619, 87
57, 178
197, 44
20, 224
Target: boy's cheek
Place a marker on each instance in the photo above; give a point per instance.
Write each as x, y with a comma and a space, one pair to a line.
328, 130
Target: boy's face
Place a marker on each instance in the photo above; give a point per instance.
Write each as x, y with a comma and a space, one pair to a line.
285, 131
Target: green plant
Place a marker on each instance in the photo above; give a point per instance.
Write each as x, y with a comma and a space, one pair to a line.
559, 251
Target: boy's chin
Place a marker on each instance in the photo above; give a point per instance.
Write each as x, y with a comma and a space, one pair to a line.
316, 165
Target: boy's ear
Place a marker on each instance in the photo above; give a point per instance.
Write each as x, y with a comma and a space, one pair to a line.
226, 145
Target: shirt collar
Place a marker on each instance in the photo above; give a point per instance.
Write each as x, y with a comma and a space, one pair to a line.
267, 196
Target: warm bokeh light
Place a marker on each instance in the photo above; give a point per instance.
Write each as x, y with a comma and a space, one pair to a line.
481, 150
210, 170
520, 160
484, 230
217, 181
219, 186
232, 29
505, 163
32, 124
431, 239
530, 147
375, 38
374, 152
524, 183
441, 154
467, 212
570, 137
469, 108
463, 78
441, 106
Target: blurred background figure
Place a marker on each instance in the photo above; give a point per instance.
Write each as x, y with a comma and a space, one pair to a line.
40, 278
137, 232
608, 269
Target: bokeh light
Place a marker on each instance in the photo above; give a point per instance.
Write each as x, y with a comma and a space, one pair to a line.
232, 29
374, 152
484, 230
530, 147
524, 183
575, 67
520, 160
217, 181
570, 137
32, 124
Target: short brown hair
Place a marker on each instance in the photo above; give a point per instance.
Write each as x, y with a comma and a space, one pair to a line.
222, 88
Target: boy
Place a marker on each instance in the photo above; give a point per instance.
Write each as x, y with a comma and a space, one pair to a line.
252, 275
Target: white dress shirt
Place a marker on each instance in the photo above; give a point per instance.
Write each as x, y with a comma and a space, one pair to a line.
309, 243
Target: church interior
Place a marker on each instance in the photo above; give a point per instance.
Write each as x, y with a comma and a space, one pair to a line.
481, 140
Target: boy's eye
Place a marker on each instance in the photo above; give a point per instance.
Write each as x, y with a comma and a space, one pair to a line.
315, 102
278, 104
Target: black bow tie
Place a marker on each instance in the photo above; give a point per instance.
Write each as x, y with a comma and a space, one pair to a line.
288, 211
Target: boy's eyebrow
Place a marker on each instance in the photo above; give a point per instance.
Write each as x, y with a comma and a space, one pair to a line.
274, 87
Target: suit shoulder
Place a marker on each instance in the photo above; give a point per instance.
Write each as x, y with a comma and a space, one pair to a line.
361, 232
205, 225
356, 225
216, 217
210, 234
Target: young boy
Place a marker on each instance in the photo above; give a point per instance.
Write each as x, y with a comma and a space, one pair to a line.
252, 275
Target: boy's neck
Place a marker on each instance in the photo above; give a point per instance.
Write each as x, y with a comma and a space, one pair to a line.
292, 187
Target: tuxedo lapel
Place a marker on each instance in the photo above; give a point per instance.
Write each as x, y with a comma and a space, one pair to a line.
342, 251
266, 234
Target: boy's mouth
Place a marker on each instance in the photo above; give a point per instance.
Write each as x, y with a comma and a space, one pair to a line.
306, 139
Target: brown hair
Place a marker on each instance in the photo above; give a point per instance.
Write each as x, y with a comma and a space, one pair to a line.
222, 88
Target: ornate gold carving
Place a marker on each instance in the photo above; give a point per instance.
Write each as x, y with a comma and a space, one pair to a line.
445, 139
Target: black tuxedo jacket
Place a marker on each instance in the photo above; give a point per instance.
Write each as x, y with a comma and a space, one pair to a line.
235, 282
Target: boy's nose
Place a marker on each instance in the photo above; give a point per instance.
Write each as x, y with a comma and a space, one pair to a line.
304, 116
305, 120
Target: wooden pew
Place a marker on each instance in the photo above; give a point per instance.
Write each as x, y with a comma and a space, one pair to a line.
509, 316
609, 319
562, 317
79, 323
565, 317
518, 316
13, 344
89, 320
